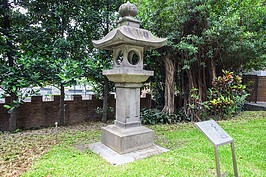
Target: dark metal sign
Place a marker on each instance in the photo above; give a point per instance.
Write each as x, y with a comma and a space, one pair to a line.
218, 137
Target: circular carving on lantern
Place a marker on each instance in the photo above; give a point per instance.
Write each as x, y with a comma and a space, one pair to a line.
133, 57
119, 58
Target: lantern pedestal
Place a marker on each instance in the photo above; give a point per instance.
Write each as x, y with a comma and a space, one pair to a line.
125, 140
127, 134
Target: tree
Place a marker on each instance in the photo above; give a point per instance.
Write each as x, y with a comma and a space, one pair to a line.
53, 35
14, 72
204, 39
68, 29
108, 18
101, 60
50, 43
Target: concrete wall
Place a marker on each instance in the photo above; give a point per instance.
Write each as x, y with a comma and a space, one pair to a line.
38, 113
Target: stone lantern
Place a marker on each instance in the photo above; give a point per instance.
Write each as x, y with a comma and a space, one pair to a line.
128, 42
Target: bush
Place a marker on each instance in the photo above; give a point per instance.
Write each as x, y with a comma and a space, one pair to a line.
195, 110
155, 116
226, 97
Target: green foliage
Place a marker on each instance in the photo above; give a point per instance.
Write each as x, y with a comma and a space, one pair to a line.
240, 30
64, 43
50, 42
155, 83
14, 72
204, 39
155, 116
195, 107
227, 95
18, 80
17, 130
99, 61
99, 110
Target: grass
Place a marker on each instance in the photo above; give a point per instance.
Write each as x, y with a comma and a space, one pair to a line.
191, 154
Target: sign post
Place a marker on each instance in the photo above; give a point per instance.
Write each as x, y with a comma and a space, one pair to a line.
218, 137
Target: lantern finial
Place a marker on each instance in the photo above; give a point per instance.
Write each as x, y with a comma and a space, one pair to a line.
128, 9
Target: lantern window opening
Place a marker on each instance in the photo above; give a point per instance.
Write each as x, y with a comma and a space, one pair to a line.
133, 57
119, 57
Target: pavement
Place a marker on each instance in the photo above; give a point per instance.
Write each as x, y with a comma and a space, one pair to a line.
115, 158
259, 106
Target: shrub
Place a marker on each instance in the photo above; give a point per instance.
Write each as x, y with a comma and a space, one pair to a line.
195, 110
99, 110
155, 116
226, 97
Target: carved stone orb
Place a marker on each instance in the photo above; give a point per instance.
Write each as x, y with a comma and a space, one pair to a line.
128, 9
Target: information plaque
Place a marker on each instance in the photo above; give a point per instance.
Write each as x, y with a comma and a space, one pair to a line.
214, 133
218, 137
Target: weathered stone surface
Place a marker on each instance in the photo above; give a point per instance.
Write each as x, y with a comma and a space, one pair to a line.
123, 57
115, 158
129, 35
126, 75
128, 43
127, 140
128, 9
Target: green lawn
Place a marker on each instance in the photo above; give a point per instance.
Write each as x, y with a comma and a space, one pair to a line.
191, 154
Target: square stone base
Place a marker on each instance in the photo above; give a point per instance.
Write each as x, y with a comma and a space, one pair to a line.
127, 140
119, 159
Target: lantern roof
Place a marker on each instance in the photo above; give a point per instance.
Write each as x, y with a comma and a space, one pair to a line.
128, 32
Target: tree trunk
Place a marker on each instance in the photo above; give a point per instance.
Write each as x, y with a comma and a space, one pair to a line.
204, 78
241, 24
169, 94
13, 115
213, 69
62, 105
7, 31
106, 82
105, 100
191, 85
9, 54
13, 120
